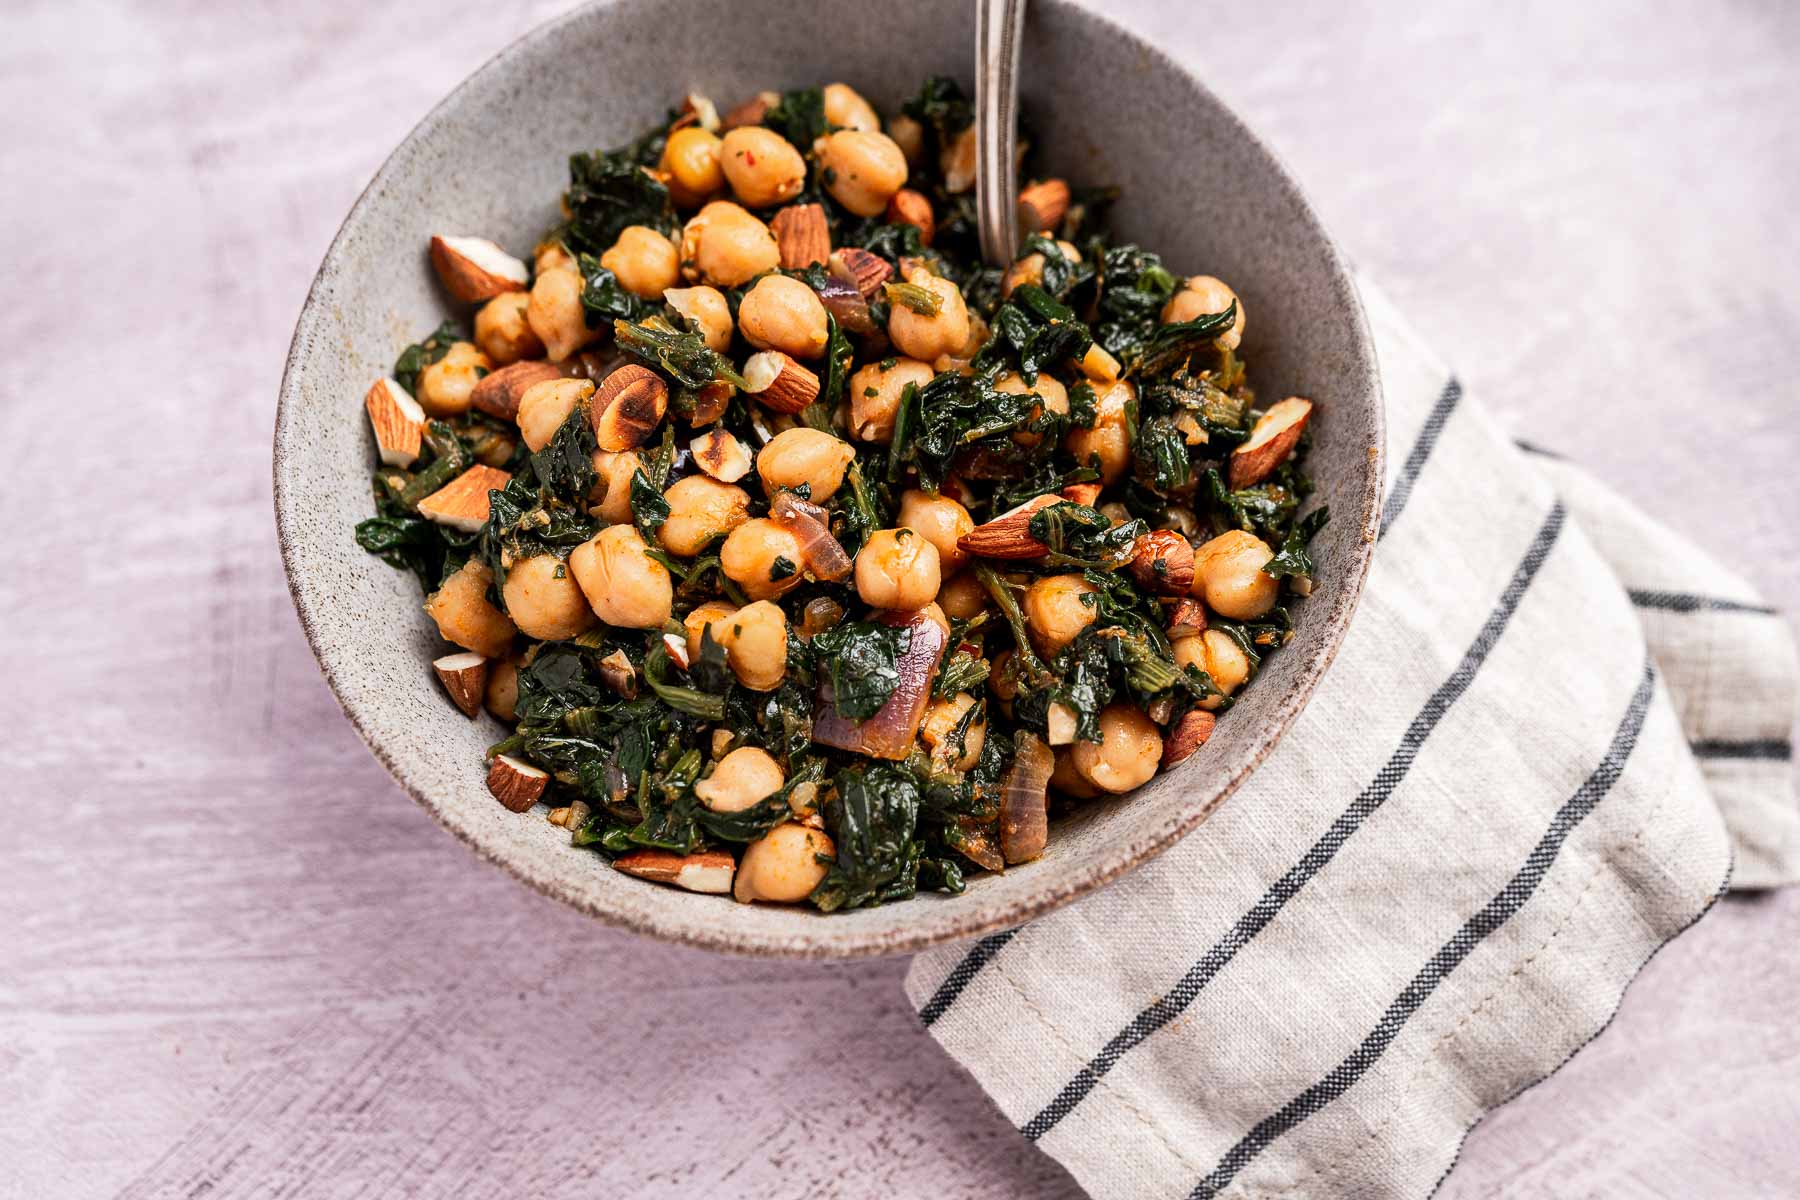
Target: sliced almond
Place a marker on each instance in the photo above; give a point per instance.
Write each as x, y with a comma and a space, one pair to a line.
463, 502
1009, 534
1187, 618
498, 392
780, 383
618, 673
627, 406
1162, 562
676, 645
475, 269
1060, 724
709, 871
1276, 434
1186, 736
868, 271
516, 784
721, 455
1082, 493
1099, 365
801, 235
750, 112
909, 207
464, 676
398, 421
1043, 205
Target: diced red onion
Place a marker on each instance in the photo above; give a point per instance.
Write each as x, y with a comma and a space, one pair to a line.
890, 732
822, 554
843, 301
1024, 817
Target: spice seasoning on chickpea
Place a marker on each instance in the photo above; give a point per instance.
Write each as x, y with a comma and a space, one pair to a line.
826, 582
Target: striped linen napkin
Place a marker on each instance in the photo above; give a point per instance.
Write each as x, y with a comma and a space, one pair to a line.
1551, 729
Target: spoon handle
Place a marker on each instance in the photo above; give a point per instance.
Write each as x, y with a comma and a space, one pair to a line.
998, 26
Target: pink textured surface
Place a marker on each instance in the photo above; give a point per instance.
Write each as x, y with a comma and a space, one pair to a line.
238, 959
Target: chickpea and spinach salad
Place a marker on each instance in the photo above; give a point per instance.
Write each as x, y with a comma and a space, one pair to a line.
807, 558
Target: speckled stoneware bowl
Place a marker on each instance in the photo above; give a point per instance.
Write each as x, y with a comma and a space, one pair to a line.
491, 160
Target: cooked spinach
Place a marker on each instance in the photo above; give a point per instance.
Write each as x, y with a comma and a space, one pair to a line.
610, 190
683, 354
799, 116
873, 817
863, 659
1292, 558
604, 298
416, 357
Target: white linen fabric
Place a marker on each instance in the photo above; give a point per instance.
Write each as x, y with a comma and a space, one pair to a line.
1552, 727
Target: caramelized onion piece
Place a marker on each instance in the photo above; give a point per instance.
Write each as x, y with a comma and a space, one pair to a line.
844, 301
977, 845
821, 553
1024, 818
890, 732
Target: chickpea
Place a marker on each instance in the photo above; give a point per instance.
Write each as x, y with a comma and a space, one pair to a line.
783, 865
897, 568
612, 490
1219, 655
762, 167
1107, 446
741, 779
923, 337
691, 157
962, 596
781, 313
762, 557
546, 405
444, 386
1202, 295
909, 135
700, 509
1050, 394
1127, 754
552, 256
726, 246
755, 640
845, 106
939, 724
1229, 576
704, 616
1067, 780
1056, 612
862, 169
544, 600
502, 331
1030, 268
645, 262
804, 455
875, 392
556, 315
707, 311
502, 694
940, 520
626, 587
463, 614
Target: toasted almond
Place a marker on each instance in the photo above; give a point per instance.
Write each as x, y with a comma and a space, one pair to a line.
1042, 205
869, 271
1192, 432
498, 392
721, 455
516, 784
801, 235
1161, 709
704, 112
1100, 366
1060, 724
1276, 434
1162, 562
463, 502
475, 269
628, 404
909, 207
750, 112
1187, 618
618, 673
1009, 534
676, 645
1082, 493
1186, 736
571, 816
709, 871
780, 383
711, 401
398, 421
464, 676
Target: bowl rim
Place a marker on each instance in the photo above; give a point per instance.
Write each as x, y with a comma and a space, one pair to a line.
954, 922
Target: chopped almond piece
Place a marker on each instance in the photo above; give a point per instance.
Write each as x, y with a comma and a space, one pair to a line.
517, 785
462, 503
498, 392
868, 271
1186, 736
475, 269
721, 455
398, 421
1009, 534
909, 207
464, 676
1187, 618
709, 871
1082, 493
780, 383
802, 235
1276, 434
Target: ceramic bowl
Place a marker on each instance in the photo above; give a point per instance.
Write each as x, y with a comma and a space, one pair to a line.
1105, 107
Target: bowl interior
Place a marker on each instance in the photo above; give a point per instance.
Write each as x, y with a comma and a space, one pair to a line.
491, 160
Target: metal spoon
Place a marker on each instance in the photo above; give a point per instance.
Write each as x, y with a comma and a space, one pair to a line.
998, 26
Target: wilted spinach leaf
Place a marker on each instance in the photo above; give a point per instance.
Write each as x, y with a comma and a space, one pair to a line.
799, 116
648, 508
416, 357
1292, 558
1134, 286
864, 660
873, 819
610, 190
684, 355
604, 298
